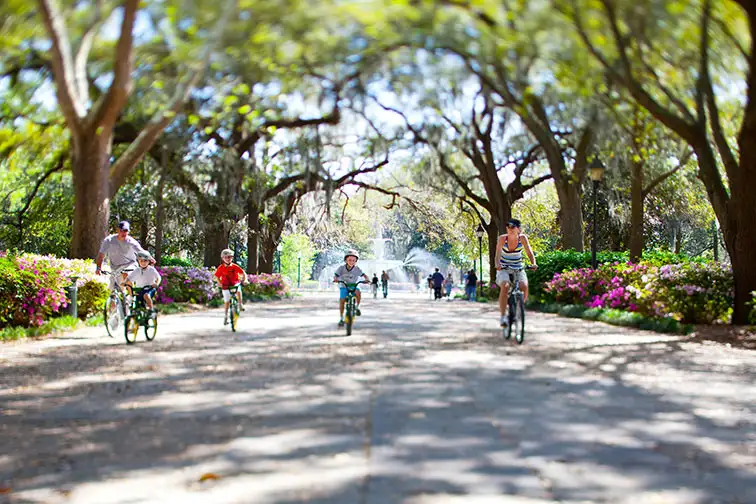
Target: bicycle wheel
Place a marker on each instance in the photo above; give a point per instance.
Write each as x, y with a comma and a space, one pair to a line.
150, 327
349, 317
112, 314
234, 309
131, 328
517, 324
510, 317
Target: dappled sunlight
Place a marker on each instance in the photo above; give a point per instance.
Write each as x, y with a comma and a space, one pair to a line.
424, 399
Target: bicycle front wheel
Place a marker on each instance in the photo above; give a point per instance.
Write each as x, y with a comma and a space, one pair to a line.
349, 317
234, 319
517, 325
150, 327
112, 314
131, 329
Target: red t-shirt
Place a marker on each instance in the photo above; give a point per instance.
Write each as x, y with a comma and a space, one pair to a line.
229, 275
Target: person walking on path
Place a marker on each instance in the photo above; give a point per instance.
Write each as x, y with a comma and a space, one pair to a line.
471, 287
449, 283
438, 282
384, 283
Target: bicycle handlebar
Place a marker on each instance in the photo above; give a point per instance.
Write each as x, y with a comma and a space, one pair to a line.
348, 284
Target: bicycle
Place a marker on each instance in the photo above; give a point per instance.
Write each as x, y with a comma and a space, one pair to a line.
114, 310
351, 304
139, 316
233, 308
516, 302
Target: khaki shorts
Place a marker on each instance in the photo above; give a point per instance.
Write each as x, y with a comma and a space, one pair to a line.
503, 276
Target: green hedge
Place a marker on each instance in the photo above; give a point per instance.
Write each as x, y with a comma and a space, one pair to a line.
615, 317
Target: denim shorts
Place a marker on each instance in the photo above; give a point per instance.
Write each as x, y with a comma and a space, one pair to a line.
343, 292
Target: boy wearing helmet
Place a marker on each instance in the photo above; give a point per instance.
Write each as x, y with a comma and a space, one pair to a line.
228, 275
348, 272
145, 279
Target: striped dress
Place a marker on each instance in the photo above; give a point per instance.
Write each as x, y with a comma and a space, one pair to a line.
511, 259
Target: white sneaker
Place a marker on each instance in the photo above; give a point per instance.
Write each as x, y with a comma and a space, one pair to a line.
504, 320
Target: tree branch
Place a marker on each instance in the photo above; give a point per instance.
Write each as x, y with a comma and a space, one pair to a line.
133, 153
63, 67
80, 62
658, 180
107, 109
57, 164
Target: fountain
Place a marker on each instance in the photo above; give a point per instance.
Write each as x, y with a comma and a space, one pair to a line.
419, 260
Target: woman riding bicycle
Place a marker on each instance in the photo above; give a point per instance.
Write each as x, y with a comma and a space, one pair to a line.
509, 249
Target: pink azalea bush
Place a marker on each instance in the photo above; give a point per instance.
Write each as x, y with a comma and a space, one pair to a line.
198, 285
687, 292
33, 288
182, 284
265, 286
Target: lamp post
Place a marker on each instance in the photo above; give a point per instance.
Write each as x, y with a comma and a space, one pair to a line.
299, 269
479, 231
279, 249
597, 173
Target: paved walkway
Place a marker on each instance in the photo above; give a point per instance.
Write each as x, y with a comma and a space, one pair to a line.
425, 403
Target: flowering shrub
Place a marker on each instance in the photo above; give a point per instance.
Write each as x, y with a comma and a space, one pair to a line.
185, 284
687, 292
265, 286
557, 261
33, 287
91, 296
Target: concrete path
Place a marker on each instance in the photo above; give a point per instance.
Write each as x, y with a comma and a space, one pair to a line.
425, 403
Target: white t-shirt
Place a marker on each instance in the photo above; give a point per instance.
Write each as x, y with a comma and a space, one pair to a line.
144, 277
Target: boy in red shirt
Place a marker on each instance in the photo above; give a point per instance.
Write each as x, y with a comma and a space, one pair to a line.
229, 275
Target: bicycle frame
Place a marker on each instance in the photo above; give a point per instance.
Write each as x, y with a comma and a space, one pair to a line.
138, 317
233, 306
117, 303
350, 304
516, 303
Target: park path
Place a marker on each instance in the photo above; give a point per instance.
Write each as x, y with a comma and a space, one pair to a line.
425, 403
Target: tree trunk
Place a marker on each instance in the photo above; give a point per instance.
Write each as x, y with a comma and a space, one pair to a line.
743, 249
636, 212
144, 226
159, 219
216, 239
678, 238
91, 180
267, 250
493, 237
744, 268
570, 215
253, 237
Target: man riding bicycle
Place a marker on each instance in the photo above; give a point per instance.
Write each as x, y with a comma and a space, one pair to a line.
509, 249
121, 251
